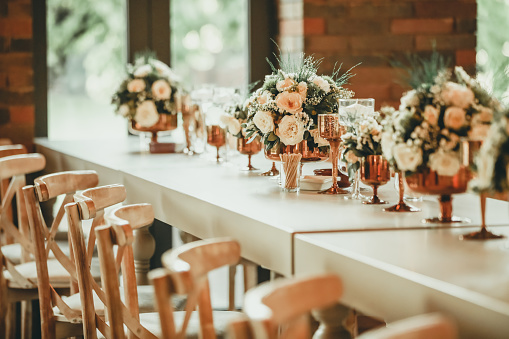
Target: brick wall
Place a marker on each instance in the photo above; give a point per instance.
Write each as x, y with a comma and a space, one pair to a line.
375, 31
16, 72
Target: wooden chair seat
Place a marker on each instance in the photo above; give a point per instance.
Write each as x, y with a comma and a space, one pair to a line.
58, 275
152, 323
13, 252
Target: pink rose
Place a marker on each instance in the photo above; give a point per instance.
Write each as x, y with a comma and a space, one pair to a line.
290, 102
302, 88
136, 85
454, 118
457, 95
285, 84
431, 114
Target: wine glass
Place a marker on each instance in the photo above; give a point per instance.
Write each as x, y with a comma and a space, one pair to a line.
216, 137
375, 172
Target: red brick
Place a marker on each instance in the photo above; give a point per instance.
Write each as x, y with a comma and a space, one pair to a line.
466, 25
445, 42
326, 43
383, 75
358, 27
3, 80
466, 57
17, 60
327, 10
379, 92
291, 27
22, 114
386, 10
20, 78
444, 9
16, 27
314, 26
375, 44
420, 26
19, 9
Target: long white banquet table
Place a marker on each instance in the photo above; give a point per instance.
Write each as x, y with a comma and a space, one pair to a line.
208, 200
399, 273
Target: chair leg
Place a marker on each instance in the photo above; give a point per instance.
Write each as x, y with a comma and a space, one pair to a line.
26, 319
250, 274
232, 270
10, 321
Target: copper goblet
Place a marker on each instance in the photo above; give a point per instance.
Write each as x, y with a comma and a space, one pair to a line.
249, 149
375, 172
330, 129
401, 206
216, 137
272, 172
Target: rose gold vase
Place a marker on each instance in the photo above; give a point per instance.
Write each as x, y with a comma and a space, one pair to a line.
166, 122
375, 171
216, 137
249, 149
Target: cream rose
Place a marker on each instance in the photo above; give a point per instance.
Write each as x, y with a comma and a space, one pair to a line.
454, 118
264, 97
290, 102
387, 144
225, 119
161, 90
234, 126
290, 130
322, 84
285, 84
302, 88
431, 114
444, 163
409, 99
457, 95
142, 71
136, 85
264, 121
161, 68
146, 114
408, 158
351, 158
123, 110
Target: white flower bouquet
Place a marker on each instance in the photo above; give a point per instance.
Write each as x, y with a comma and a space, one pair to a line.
284, 111
492, 161
151, 88
234, 121
432, 119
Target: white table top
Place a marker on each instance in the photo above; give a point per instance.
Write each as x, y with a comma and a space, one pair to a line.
399, 273
208, 200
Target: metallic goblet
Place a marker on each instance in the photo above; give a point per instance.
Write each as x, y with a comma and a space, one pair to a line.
375, 172
216, 137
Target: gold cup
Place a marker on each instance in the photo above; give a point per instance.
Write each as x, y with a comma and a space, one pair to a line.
401, 206
216, 137
375, 172
249, 149
330, 129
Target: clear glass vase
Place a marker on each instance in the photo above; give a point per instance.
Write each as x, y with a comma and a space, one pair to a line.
356, 188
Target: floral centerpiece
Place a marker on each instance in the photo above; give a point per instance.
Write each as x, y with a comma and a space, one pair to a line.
234, 121
284, 111
149, 90
426, 131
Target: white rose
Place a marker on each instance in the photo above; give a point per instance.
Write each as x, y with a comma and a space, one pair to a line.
290, 130
264, 97
161, 90
485, 168
142, 71
285, 84
302, 88
123, 110
136, 85
408, 158
146, 114
457, 95
315, 133
322, 83
387, 144
161, 68
290, 102
350, 157
431, 114
454, 118
444, 163
264, 121
225, 119
409, 99
234, 126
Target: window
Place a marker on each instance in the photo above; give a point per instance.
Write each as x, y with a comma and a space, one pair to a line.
86, 57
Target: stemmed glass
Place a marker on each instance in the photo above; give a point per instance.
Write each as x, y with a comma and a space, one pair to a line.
375, 172
401, 206
272, 172
216, 137
330, 129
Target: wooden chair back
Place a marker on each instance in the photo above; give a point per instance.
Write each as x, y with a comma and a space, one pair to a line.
5, 141
87, 205
425, 326
8, 150
185, 272
118, 232
285, 303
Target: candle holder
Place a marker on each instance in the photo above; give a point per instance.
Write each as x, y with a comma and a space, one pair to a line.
249, 149
401, 206
375, 172
216, 137
330, 129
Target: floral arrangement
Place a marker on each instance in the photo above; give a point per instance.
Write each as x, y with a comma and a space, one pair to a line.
285, 109
492, 161
151, 88
432, 119
234, 121
363, 136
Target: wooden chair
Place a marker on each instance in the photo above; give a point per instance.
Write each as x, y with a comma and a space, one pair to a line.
185, 272
16, 287
64, 319
5, 141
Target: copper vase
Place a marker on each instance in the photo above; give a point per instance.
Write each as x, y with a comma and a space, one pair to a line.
166, 122
216, 137
375, 171
249, 149
302, 148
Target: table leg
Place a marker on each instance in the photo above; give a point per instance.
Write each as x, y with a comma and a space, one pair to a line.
333, 322
144, 247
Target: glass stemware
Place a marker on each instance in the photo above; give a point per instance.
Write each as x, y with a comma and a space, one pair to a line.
401, 206
216, 137
272, 172
482, 234
375, 172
